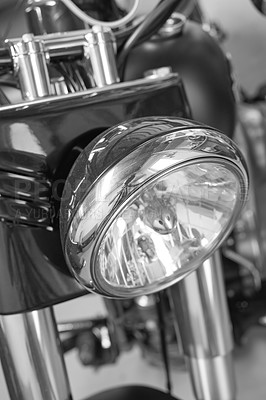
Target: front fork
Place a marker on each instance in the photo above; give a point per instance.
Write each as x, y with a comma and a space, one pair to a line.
32, 358
34, 366
203, 326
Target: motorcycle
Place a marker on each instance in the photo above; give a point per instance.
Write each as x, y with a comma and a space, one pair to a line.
110, 186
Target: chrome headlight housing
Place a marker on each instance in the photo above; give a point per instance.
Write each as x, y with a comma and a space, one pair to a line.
147, 202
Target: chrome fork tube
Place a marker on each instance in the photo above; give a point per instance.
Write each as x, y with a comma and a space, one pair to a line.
204, 328
31, 357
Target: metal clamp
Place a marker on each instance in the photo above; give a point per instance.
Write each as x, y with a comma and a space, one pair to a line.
30, 64
31, 54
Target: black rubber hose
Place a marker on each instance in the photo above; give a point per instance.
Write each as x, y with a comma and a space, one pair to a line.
5, 58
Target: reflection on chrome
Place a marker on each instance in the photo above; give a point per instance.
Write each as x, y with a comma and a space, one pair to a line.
147, 205
168, 225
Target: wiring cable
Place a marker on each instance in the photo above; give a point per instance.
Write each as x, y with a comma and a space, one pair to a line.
151, 24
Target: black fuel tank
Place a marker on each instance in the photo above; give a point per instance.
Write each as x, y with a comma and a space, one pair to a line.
203, 67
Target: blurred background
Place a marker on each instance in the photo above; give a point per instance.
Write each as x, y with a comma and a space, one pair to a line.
245, 29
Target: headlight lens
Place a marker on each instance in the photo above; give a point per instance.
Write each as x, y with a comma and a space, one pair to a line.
170, 226
148, 218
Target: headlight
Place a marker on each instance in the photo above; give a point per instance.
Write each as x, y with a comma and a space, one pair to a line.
147, 202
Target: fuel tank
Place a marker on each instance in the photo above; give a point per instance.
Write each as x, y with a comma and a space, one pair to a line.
202, 65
